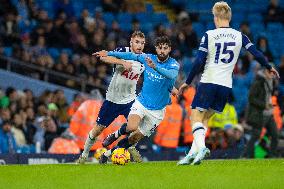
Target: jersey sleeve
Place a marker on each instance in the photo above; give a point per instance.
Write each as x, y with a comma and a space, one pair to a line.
170, 72
249, 46
246, 43
204, 43
128, 56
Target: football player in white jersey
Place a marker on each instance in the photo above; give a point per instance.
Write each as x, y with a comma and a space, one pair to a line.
218, 53
121, 92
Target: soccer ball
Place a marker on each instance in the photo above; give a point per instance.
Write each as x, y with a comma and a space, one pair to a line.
99, 152
120, 156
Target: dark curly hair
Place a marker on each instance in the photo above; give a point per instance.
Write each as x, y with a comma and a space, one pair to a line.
163, 40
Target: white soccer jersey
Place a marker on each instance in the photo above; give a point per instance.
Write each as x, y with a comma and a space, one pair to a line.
223, 47
122, 88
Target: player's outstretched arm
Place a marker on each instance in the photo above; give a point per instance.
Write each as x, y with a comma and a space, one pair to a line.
198, 64
170, 73
258, 55
128, 56
113, 60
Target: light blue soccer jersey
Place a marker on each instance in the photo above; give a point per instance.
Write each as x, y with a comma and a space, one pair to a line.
157, 86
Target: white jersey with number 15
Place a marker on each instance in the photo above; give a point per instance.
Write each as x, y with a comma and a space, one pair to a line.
223, 47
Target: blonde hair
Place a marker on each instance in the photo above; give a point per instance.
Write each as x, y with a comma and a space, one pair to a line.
222, 10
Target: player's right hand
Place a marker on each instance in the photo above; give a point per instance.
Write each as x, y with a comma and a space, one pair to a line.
275, 72
181, 89
102, 53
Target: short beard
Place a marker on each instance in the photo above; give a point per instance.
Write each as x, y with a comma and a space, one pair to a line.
162, 59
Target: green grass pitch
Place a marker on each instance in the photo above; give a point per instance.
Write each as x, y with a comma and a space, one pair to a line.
211, 174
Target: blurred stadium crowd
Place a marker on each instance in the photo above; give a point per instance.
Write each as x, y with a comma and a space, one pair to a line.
61, 35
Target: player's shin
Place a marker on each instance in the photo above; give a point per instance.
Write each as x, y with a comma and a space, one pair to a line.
88, 144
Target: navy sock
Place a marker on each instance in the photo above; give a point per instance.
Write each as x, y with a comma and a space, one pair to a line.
124, 143
122, 130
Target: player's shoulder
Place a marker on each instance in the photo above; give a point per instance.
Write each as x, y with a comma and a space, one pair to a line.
173, 63
122, 49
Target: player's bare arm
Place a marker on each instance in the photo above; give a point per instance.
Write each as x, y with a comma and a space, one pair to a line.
113, 60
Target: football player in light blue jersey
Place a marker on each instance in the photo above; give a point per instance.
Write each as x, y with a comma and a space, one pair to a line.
218, 53
148, 110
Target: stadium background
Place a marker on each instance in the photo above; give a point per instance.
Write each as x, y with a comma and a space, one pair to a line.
45, 49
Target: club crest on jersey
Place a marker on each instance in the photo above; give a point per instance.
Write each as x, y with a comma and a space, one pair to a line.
130, 75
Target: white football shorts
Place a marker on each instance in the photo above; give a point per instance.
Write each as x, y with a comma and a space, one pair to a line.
150, 118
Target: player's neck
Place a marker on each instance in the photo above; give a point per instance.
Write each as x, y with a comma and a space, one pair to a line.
223, 24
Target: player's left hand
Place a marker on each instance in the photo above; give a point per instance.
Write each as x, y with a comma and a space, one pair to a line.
275, 72
150, 62
182, 88
102, 53
174, 91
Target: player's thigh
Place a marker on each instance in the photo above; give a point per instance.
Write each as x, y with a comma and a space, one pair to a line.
108, 112
221, 98
135, 137
204, 97
135, 116
151, 121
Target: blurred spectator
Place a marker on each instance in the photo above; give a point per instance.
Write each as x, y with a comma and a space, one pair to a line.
190, 37
7, 140
9, 30
61, 102
133, 6
65, 6
64, 144
17, 130
77, 101
59, 34
50, 133
11, 96
245, 29
262, 45
274, 12
281, 73
111, 5
6, 6
227, 117
260, 112
5, 115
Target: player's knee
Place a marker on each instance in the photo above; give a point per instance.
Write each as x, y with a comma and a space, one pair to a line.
131, 128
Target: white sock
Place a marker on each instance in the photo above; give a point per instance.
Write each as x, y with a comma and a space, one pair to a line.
193, 148
88, 144
199, 135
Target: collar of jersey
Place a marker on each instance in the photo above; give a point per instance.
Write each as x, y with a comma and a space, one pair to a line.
225, 27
